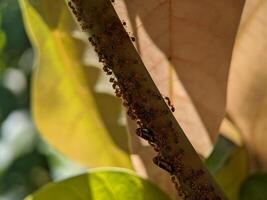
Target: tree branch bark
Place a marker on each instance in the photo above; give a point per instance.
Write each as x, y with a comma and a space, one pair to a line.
145, 104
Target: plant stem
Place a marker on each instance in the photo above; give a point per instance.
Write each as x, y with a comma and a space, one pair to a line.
145, 104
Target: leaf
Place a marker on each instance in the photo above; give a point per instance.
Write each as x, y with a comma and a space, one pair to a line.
8, 103
31, 172
247, 98
229, 165
2, 40
113, 184
12, 25
187, 47
195, 76
254, 187
68, 111
219, 156
233, 173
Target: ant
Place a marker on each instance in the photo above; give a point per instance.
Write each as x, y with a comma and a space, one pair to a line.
169, 103
162, 163
146, 134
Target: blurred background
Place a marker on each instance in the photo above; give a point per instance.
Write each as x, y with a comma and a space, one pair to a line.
26, 161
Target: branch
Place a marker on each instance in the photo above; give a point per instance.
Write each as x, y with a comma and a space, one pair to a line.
133, 84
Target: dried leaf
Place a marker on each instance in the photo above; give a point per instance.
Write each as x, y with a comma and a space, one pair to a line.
187, 47
247, 98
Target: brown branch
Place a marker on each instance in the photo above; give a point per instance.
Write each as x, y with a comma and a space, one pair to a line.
133, 84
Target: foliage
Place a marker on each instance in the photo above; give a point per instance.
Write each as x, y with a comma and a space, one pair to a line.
187, 49
101, 184
247, 94
254, 187
62, 80
23, 168
26, 174
229, 164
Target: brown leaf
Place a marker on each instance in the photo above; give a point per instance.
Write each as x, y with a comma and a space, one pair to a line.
206, 42
247, 99
187, 47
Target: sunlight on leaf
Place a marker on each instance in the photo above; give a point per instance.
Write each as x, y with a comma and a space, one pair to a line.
247, 97
69, 113
187, 47
113, 184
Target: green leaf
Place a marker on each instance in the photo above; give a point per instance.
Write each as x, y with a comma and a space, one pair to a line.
112, 184
7, 102
13, 27
2, 40
229, 164
69, 112
254, 187
221, 153
27, 173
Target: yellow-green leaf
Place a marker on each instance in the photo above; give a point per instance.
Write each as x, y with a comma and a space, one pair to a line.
229, 161
68, 111
232, 174
112, 184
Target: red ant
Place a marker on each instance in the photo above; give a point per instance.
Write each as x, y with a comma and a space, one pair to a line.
169, 103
